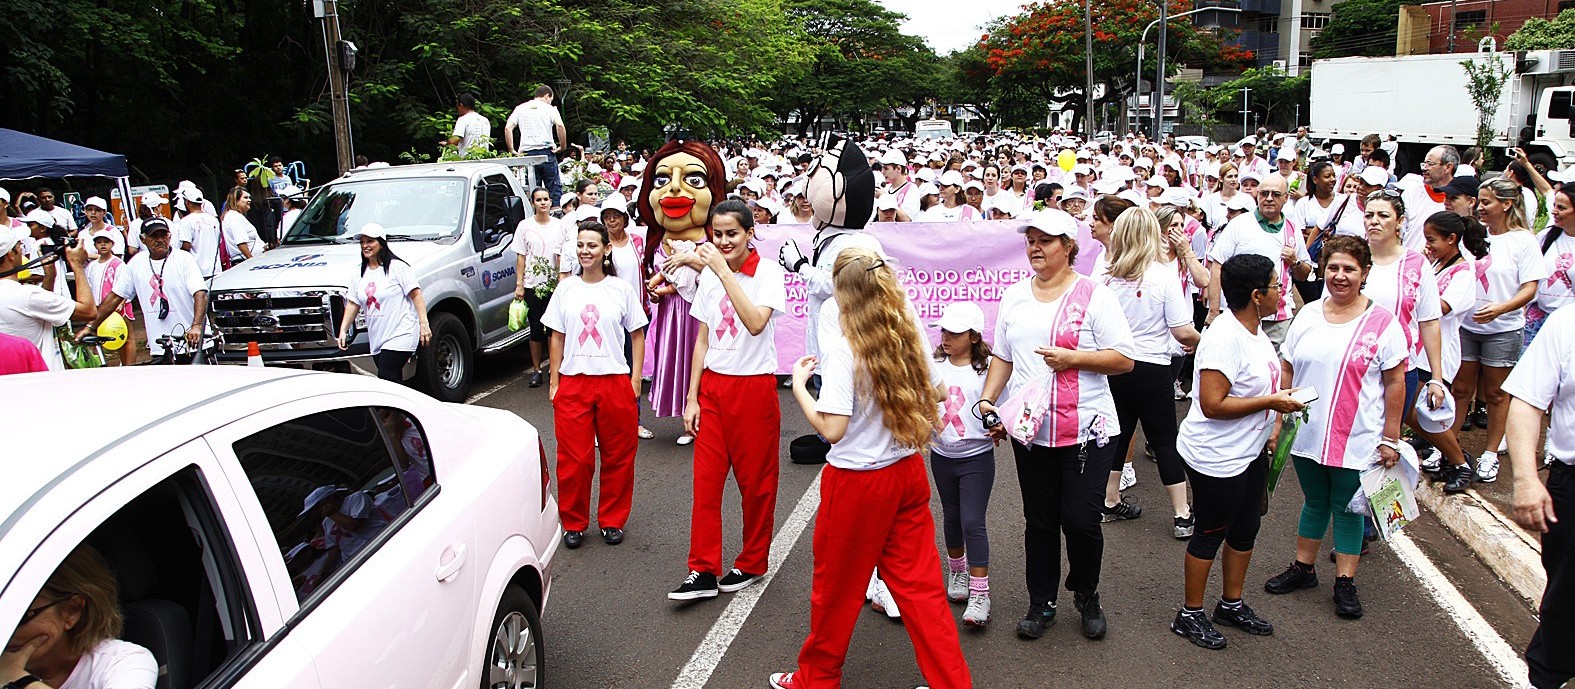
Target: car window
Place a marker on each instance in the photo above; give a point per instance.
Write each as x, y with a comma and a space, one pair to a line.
492, 213
332, 483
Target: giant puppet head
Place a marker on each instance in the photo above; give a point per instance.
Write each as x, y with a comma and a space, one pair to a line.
841, 187
680, 184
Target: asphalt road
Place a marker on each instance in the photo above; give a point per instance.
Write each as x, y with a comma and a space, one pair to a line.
609, 623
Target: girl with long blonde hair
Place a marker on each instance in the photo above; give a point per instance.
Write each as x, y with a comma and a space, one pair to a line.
877, 408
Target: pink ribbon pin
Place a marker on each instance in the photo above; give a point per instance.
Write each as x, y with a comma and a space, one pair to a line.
954, 404
371, 297
588, 318
729, 326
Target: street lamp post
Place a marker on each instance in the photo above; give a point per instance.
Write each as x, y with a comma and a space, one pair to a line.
1088, 66
1143, 42
1244, 110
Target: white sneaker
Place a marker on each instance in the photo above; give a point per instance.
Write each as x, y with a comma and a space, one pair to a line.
1487, 468
1128, 477
685, 440
1503, 445
880, 598
1433, 461
957, 586
1180, 394
978, 612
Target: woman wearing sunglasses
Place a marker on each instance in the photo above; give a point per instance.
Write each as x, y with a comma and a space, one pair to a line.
67, 637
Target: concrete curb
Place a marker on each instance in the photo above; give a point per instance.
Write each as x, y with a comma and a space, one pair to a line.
1513, 555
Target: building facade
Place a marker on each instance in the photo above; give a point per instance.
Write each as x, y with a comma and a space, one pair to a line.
1456, 26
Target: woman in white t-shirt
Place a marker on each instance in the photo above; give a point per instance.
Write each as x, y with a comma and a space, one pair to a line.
1490, 341
1557, 243
1236, 400
396, 313
732, 407
1449, 236
67, 636
238, 233
1159, 315
536, 245
1324, 213
962, 459
877, 408
1057, 336
1352, 351
953, 206
1214, 203
594, 387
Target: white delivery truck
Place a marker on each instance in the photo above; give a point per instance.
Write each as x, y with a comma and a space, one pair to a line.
1423, 99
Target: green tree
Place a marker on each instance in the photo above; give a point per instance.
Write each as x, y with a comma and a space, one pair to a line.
861, 63
1360, 28
1273, 96
1543, 34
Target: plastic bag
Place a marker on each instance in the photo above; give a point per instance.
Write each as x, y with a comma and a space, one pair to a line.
519, 314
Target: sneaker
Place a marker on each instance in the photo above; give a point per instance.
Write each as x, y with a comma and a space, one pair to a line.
1126, 509
957, 586
1479, 417
573, 539
612, 536
535, 378
1033, 624
1434, 462
1180, 394
1128, 477
685, 440
1487, 467
978, 612
1243, 618
736, 580
881, 600
1503, 444
1093, 615
783, 680
1295, 577
1196, 628
1183, 528
696, 586
1458, 479
1346, 604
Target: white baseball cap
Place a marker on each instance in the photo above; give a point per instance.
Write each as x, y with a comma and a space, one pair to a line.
951, 178
886, 203
5, 196
894, 157
1374, 176
41, 217
105, 233
95, 202
613, 202
191, 194
1337, 149
318, 495
371, 229
1435, 420
1249, 174
9, 238
1051, 221
928, 189
153, 200
961, 317
973, 184
1241, 202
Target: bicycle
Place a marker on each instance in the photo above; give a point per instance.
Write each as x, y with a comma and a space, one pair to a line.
178, 352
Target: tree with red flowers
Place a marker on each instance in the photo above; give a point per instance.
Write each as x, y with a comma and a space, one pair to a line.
1041, 49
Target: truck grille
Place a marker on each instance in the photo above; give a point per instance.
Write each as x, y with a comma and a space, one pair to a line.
277, 320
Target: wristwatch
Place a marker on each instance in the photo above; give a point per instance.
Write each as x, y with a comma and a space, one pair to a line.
22, 682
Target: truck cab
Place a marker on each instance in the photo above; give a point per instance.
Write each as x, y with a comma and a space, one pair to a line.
452, 222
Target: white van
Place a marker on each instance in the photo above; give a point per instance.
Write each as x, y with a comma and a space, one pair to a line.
932, 129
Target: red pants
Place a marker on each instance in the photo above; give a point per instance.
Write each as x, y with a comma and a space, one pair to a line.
871, 519
740, 429
590, 410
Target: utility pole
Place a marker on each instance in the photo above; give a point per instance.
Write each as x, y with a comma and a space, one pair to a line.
1452, 5
1293, 66
1159, 79
1088, 66
329, 11
1245, 109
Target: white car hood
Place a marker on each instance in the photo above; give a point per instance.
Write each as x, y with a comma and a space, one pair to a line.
311, 265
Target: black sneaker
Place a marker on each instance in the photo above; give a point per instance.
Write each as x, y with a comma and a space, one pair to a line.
1093, 615
696, 586
1033, 624
1126, 509
612, 536
573, 539
1346, 604
1196, 628
1243, 618
1295, 577
736, 580
1183, 528
1459, 478
535, 378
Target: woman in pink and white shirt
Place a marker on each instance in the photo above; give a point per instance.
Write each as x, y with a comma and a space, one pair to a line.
1352, 351
1557, 243
1449, 236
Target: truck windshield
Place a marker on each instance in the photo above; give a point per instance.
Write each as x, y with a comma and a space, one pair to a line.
410, 209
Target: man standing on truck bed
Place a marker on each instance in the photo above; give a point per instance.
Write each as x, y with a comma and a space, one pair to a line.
541, 133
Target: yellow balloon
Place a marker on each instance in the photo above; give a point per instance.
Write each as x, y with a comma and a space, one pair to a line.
114, 330
1066, 160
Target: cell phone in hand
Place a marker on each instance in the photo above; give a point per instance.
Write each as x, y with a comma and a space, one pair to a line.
1306, 395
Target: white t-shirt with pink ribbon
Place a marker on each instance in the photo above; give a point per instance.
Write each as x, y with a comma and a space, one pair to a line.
1514, 258
962, 434
1245, 235
730, 349
593, 316
1558, 289
1545, 378
1408, 288
1457, 287
174, 280
384, 298
1344, 362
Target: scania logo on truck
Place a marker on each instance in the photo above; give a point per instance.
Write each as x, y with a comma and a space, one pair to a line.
490, 276
302, 261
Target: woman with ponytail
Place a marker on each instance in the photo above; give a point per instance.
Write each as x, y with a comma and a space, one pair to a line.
878, 410
1447, 233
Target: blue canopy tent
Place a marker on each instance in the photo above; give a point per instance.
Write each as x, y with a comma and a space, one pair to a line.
24, 156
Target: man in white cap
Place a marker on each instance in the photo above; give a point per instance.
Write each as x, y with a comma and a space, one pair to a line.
169, 286
32, 312
147, 208
199, 232
894, 167
1250, 161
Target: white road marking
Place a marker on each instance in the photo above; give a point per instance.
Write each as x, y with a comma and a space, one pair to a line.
714, 647
488, 392
1511, 668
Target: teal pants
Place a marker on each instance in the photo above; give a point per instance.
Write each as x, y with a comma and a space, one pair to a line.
1327, 492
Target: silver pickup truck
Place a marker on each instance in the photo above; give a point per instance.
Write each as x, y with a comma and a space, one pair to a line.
452, 222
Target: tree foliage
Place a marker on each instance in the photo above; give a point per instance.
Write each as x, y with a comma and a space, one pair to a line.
1365, 28
1273, 96
1041, 49
1544, 34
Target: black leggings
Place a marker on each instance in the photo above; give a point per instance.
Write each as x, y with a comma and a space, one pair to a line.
536, 306
391, 364
1144, 394
1063, 494
1226, 509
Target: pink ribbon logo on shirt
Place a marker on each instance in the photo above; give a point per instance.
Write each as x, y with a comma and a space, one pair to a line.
729, 325
954, 403
1481, 267
1561, 271
156, 283
371, 297
588, 319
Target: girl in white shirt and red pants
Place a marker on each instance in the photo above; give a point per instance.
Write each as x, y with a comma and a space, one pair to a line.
878, 409
592, 388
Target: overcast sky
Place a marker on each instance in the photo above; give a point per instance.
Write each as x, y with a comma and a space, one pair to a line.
950, 25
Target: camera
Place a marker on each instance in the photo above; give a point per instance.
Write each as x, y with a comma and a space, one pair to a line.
991, 419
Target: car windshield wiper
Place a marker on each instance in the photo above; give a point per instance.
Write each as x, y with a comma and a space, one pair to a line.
311, 239
407, 237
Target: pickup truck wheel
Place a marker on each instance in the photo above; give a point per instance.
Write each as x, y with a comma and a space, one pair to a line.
1544, 160
516, 657
443, 368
